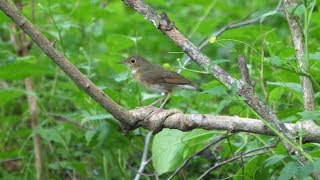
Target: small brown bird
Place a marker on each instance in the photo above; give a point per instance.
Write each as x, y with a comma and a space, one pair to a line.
156, 78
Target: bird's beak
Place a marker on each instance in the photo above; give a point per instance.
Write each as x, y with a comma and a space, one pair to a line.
121, 62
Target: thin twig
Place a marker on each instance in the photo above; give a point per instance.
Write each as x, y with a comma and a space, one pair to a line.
242, 155
66, 119
261, 77
12, 159
222, 137
142, 174
242, 166
144, 160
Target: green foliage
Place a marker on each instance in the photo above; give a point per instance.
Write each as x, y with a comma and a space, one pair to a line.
295, 169
8, 95
171, 147
22, 68
95, 35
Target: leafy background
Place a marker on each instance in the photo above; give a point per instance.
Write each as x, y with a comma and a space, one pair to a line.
95, 35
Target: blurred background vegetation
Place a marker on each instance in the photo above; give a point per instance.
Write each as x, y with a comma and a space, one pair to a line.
94, 35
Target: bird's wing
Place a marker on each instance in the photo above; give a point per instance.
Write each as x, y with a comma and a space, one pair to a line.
162, 75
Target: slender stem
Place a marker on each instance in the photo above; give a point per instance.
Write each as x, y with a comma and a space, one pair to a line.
144, 160
242, 155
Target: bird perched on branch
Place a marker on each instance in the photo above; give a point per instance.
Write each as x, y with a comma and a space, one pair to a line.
156, 78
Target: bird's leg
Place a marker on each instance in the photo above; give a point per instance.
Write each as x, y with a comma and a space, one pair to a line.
155, 102
168, 94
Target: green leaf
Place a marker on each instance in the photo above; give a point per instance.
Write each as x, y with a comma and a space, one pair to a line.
7, 95
224, 103
289, 119
218, 91
20, 69
7, 57
214, 63
89, 136
315, 56
117, 42
275, 60
74, 165
122, 76
304, 171
316, 166
53, 134
310, 115
274, 160
290, 85
297, 10
253, 169
218, 61
171, 147
234, 88
276, 94
289, 171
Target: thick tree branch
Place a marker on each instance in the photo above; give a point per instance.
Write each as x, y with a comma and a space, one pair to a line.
164, 24
175, 119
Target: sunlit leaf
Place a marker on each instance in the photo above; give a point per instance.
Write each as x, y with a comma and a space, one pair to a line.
169, 147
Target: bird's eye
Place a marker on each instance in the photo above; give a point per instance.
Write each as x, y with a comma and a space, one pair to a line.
133, 60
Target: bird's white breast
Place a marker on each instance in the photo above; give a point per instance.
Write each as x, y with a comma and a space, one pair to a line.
134, 71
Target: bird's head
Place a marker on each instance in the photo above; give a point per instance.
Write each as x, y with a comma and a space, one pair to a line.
135, 62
